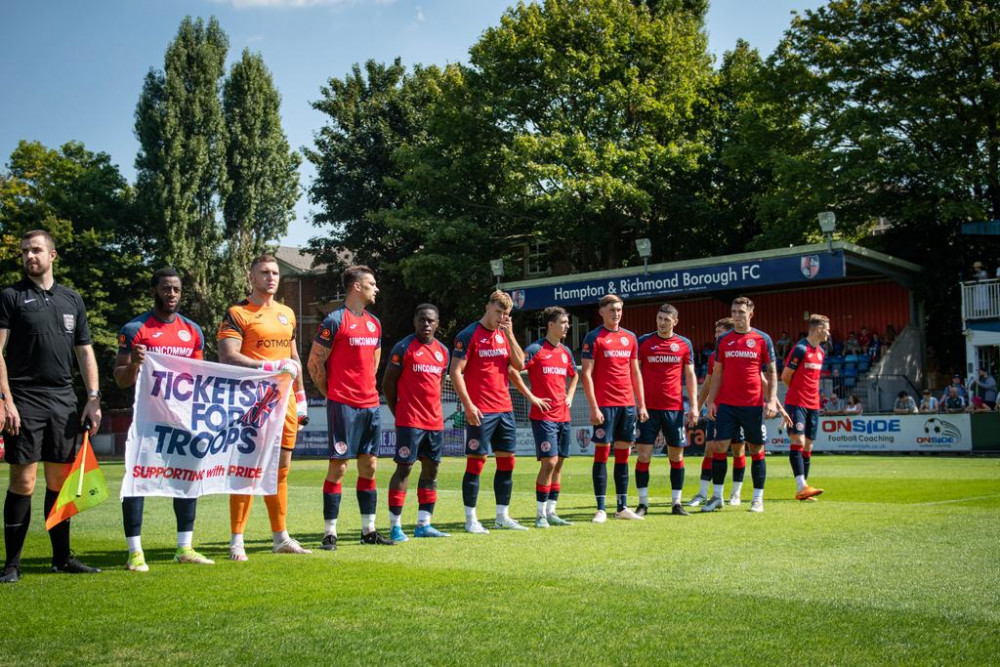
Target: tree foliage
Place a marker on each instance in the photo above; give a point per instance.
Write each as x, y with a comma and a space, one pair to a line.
82, 199
215, 177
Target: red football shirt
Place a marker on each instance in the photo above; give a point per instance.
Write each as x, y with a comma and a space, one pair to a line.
662, 361
486, 360
612, 353
807, 363
350, 368
418, 390
741, 356
179, 338
548, 367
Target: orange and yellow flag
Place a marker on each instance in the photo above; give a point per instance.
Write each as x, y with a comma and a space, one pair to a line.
84, 487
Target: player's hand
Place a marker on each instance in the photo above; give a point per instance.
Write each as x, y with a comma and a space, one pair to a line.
596, 417
643, 415
12, 418
473, 416
287, 366
505, 326
540, 403
692, 416
710, 415
302, 408
772, 409
785, 416
92, 413
569, 401
138, 355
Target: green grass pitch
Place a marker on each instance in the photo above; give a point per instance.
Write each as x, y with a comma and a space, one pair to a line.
899, 562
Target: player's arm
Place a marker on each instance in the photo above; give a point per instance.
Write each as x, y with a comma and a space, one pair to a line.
691, 384
389, 380
771, 386
713, 388
229, 353
457, 373
11, 417
88, 369
786, 376
127, 365
516, 358
587, 371
318, 354
518, 382
639, 390
571, 390
299, 383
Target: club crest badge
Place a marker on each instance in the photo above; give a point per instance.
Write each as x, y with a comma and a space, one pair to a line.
340, 447
69, 321
474, 445
184, 335
810, 266
404, 452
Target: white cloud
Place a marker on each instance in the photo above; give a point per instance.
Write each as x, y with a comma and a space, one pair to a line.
420, 14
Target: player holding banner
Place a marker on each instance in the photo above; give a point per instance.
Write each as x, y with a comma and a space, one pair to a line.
412, 388
259, 332
612, 383
165, 331
667, 363
801, 375
548, 362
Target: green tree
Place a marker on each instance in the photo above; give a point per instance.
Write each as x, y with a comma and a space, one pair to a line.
598, 100
216, 178
262, 169
181, 179
82, 199
901, 102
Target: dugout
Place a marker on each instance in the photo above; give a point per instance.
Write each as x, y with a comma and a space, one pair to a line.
854, 286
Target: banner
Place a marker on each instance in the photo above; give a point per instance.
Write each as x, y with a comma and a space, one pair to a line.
202, 427
728, 276
883, 433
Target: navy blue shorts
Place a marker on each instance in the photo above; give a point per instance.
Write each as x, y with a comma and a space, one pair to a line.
804, 421
497, 433
671, 422
352, 431
413, 443
710, 433
551, 438
730, 418
618, 426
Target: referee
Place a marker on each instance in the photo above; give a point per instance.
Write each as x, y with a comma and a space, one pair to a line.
42, 325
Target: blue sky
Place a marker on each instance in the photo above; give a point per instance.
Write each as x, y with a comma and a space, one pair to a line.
72, 70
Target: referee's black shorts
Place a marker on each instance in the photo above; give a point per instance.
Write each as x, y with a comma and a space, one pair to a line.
50, 426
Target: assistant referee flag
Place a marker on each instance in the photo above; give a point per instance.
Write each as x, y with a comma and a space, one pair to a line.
84, 487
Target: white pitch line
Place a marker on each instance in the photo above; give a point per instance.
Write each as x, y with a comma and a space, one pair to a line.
957, 500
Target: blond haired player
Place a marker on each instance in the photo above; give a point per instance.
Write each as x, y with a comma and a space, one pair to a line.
259, 332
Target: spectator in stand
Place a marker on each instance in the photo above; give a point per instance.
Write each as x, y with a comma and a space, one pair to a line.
984, 387
954, 402
890, 335
834, 406
979, 271
853, 406
905, 405
782, 346
978, 405
928, 404
875, 347
956, 383
864, 340
852, 346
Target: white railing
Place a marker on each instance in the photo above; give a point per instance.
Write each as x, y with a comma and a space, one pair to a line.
981, 300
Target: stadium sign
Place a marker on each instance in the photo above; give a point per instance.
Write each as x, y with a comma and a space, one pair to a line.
201, 427
884, 433
729, 276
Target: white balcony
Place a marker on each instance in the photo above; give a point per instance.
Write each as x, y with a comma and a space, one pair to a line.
981, 300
